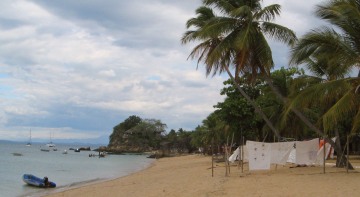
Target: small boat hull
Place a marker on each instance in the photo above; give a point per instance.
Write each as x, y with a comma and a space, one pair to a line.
36, 181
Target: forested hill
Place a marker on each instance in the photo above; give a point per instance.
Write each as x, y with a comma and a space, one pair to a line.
136, 135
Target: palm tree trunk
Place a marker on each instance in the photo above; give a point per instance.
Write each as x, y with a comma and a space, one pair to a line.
340, 156
257, 108
302, 117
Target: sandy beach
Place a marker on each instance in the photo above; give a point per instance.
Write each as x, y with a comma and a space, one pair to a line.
191, 175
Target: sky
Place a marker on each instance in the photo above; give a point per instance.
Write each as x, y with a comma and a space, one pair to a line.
75, 69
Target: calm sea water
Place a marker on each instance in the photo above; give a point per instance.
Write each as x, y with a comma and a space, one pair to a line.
66, 170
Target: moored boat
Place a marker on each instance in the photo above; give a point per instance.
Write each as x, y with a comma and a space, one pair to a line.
29, 143
45, 150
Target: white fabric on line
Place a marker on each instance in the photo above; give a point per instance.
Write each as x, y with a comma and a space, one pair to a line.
280, 152
259, 155
306, 151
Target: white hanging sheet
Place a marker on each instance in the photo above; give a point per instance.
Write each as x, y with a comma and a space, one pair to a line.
292, 156
259, 155
306, 151
280, 152
236, 155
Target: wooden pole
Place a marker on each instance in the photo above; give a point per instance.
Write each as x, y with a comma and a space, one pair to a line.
242, 155
230, 151
324, 155
239, 156
225, 161
275, 164
212, 158
347, 154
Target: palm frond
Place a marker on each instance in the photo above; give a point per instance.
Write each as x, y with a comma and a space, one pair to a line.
320, 41
279, 33
268, 13
241, 12
340, 110
320, 94
356, 122
203, 15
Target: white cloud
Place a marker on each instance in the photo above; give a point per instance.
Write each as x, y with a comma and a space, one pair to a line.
80, 70
107, 73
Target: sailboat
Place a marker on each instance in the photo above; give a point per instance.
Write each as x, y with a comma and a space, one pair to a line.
50, 144
29, 143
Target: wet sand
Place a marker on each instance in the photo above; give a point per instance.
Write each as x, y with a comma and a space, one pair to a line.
192, 176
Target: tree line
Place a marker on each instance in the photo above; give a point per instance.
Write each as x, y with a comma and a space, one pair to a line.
323, 100
231, 36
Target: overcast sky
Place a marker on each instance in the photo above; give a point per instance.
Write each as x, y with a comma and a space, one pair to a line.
76, 69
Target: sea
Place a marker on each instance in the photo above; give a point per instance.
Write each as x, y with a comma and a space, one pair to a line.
70, 170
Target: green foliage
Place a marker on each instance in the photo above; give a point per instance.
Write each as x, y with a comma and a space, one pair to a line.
119, 130
236, 112
330, 53
136, 132
148, 133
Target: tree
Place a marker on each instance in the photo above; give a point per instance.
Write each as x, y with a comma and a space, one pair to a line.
119, 130
136, 134
278, 111
236, 112
236, 39
334, 50
184, 141
147, 134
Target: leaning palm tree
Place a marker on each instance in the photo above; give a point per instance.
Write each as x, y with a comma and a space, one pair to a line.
331, 94
240, 32
340, 50
209, 46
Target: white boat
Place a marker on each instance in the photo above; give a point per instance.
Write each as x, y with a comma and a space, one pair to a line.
50, 144
64, 152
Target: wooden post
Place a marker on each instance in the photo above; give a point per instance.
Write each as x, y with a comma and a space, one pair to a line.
230, 151
225, 161
242, 155
347, 153
226, 155
275, 164
239, 156
324, 155
212, 158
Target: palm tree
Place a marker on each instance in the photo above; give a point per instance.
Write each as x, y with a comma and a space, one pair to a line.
283, 79
237, 38
204, 50
336, 52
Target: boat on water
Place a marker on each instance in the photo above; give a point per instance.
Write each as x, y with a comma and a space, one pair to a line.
50, 144
45, 150
37, 182
65, 152
29, 143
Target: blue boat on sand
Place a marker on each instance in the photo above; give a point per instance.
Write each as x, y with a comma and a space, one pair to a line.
37, 182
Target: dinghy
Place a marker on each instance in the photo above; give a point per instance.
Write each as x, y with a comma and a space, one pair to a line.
36, 181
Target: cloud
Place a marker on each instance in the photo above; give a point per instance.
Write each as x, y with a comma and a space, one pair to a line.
107, 73
82, 67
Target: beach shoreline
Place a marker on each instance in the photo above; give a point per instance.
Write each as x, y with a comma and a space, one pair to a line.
89, 183
191, 175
